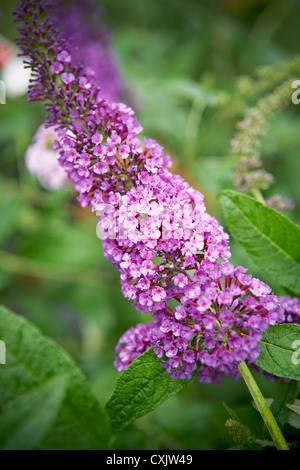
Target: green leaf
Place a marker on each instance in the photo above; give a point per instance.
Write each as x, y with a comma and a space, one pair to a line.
193, 91
270, 238
280, 351
31, 361
26, 418
142, 387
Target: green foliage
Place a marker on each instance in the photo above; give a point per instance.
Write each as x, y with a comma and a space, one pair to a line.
36, 371
28, 417
279, 354
142, 387
270, 238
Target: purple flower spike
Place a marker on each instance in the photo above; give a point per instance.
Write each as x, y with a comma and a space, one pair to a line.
173, 257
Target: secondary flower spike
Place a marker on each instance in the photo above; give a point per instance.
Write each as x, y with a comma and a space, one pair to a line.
90, 43
172, 255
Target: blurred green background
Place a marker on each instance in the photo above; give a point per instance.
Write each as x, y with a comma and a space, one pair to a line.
181, 61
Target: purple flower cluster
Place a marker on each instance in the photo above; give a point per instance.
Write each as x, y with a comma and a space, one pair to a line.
280, 203
132, 344
290, 308
171, 254
218, 328
164, 235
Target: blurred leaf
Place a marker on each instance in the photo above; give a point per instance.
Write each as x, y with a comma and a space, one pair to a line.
294, 420
278, 355
295, 407
142, 387
270, 238
193, 91
287, 394
231, 413
213, 173
63, 243
294, 417
31, 361
27, 418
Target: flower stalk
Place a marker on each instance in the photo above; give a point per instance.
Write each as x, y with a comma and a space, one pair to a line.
263, 408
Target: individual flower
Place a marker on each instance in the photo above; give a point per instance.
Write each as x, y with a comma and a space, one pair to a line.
124, 150
56, 67
97, 138
64, 56
100, 168
67, 78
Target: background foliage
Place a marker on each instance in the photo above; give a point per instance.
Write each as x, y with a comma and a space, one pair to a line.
181, 61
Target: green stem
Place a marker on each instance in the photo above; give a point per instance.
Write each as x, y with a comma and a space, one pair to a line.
257, 194
263, 408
